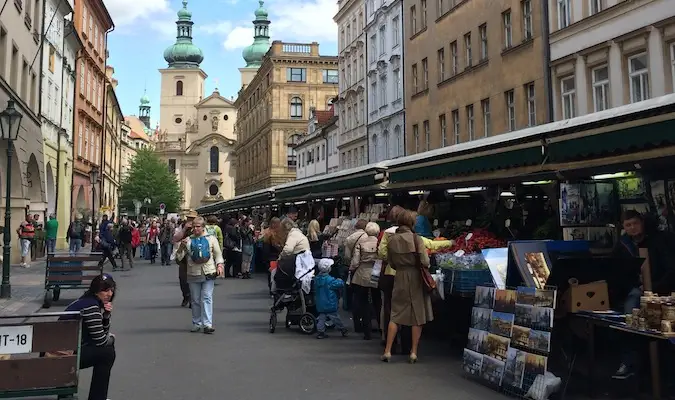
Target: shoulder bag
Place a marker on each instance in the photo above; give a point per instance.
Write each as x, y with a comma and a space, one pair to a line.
427, 280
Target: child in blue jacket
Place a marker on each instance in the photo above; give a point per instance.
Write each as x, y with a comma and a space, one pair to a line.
326, 298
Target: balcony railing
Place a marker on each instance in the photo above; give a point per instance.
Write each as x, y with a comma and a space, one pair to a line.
170, 146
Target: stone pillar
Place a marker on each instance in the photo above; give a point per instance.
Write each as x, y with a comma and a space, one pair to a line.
314, 49
616, 77
657, 73
581, 85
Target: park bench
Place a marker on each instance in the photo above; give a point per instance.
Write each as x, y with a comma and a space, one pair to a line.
64, 271
39, 354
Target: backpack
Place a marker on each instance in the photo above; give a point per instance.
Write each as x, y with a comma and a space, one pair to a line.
76, 229
200, 249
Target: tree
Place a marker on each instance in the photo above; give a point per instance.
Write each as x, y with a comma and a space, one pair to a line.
149, 178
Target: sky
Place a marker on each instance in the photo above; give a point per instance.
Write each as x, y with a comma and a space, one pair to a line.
145, 28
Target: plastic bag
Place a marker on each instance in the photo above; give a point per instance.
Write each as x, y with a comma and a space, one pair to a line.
377, 270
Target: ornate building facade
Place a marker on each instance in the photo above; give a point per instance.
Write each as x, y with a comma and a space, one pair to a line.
273, 107
196, 132
110, 173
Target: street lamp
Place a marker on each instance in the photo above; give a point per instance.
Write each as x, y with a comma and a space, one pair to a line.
93, 179
10, 122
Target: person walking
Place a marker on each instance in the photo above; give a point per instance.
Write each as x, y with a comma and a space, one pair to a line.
246, 231
124, 237
26, 232
204, 264
135, 238
107, 245
326, 290
184, 232
364, 290
232, 245
165, 246
153, 242
75, 235
51, 232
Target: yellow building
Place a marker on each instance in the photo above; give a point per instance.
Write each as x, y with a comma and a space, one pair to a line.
274, 104
110, 177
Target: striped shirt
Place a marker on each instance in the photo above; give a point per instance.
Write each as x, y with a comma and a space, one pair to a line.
95, 322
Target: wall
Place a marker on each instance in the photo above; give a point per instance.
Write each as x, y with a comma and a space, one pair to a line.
176, 110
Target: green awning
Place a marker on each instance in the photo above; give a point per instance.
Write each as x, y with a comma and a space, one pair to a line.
348, 182
243, 201
490, 162
615, 142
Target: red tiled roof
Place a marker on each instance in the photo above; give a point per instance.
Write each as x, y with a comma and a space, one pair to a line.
323, 116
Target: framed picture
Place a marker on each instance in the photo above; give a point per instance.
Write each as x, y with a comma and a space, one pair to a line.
532, 261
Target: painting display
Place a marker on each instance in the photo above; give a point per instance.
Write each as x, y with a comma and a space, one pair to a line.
509, 341
532, 261
590, 203
538, 268
497, 261
658, 190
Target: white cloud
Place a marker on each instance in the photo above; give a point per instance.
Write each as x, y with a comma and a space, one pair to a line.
125, 12
218, 28
238, 38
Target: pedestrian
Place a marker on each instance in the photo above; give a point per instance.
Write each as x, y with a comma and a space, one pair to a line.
364, 290
108, 246
153, 242
204, 264
51, 232
26, 232
125, 238
135, 237
165, 246
75, 235
232, 245
184, 232
97, 348
326, 299
246, 231
143, 231
214, 230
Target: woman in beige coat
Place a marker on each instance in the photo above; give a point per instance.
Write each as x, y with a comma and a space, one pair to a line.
361, 268
410, 304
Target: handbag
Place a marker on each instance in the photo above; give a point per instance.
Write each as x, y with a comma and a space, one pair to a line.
427, 280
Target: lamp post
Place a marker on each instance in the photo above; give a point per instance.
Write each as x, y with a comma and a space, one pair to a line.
93, 179
10, 122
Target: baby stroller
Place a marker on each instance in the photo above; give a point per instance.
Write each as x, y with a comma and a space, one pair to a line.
300, 308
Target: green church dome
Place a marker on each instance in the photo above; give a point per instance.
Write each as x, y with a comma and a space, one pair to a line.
184, 53
254, 53
145, 100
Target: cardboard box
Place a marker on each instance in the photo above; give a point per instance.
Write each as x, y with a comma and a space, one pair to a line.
587, 297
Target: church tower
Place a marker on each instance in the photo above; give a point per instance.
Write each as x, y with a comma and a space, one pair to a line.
182, 81
144, 110
254, 54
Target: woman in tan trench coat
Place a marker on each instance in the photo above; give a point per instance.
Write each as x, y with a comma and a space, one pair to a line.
410, 304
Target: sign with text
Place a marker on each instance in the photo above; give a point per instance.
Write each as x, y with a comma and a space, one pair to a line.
16, 339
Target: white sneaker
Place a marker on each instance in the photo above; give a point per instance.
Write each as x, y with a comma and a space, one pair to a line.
26, 265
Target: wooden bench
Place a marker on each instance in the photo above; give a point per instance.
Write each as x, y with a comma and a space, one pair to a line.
24, 370
64, 271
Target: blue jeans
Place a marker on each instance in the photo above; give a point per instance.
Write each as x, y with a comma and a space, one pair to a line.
51, 245
201, 294
75, 246
629, 357
321, 321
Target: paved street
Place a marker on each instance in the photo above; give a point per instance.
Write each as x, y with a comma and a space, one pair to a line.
158, 358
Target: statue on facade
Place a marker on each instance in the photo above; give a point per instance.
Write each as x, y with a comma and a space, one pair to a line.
214, 123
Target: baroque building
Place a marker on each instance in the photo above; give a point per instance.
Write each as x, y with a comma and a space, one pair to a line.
60, 46
273, 107
110, 173
386, 126
351, 103
196, 135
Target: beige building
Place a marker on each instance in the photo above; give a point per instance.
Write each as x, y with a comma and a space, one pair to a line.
608, 53
273, 111
112, 148
197, 133
473, 69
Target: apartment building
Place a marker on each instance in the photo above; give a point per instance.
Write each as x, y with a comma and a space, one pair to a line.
92, 23
351, 102
386, 126
608, 53
110, 172
313, 149
20, 64
474, 69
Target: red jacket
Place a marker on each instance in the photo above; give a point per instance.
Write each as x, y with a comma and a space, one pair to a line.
135, 237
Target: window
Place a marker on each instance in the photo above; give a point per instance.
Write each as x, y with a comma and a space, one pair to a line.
531, 104
385, 145
441, 7
527, 19
214, 156
296, 74
416, 136
487, 125
455, 125
427, 136
413, 20
508, 31
383, 38
568, 94
563, 13
467, 46
399, 86
510, 110
213, 190
394, 32
3, 49
373, 46
483, 42
455, 58
600, 81
672, 62
638, 76
383, 90
84, 19
79, 138
52, 58
441, 65
373, 96
444, 130
179, 88
375, 148
172, 165
470, 123
415, 82
349, 34
423, 4
425, 73
330, 76
397, 140
323, 152
296, 108
596, 6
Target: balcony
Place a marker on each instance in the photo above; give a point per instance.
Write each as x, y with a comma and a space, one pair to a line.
170, 146
280, 48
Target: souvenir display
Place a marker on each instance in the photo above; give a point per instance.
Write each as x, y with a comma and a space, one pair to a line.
656, 313
532, 261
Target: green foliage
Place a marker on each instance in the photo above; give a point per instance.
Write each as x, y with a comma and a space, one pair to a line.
149, 177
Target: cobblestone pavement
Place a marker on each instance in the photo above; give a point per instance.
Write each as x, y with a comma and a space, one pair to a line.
27, 290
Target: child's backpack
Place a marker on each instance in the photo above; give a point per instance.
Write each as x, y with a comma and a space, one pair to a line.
200, 249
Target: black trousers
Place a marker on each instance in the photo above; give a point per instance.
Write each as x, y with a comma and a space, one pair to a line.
107, 253
182, 278
101, 359
165, 253
233, 263
363, 308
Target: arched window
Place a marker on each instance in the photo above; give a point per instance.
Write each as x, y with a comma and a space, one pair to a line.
214, 156
296, 108
385, 139
179, 88
397, 141
375, 158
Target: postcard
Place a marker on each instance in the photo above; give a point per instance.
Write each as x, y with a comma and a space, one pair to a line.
485, 297
497, 261
540, 341
538, 268
544, 298
520, 336
542, 318
505, 301
514, 368
476, 340
501, 323
492, 370
496, 346
535, 364
523, 315
525, 295
480, 318
472, 362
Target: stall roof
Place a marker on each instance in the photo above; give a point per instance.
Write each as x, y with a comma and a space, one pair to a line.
524, 147
258, 197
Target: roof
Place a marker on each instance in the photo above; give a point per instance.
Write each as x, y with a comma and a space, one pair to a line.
323, 116
137, 127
